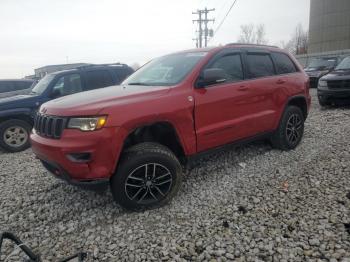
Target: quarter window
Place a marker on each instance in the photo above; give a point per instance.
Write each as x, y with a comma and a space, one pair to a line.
260, 65
232, 65
284, 64
98, 79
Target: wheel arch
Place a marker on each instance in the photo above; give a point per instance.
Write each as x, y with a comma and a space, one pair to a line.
19, 114
298, 101
162, 132
25, 118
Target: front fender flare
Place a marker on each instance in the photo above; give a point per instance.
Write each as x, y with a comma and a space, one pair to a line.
16, 111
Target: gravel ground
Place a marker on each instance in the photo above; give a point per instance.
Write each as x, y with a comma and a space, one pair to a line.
246, 204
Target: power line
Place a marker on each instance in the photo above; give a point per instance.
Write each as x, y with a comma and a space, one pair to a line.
223, 20
221, 10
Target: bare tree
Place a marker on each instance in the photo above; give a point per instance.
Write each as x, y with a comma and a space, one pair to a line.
299, 42
260, 34
251, 34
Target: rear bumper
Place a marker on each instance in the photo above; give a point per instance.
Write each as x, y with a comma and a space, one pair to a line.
102, 148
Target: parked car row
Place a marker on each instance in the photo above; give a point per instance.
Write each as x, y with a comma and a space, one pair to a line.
331, 77
17, 113
135, 137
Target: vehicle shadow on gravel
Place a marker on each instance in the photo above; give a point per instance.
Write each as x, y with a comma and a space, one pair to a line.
233, 157
335, 108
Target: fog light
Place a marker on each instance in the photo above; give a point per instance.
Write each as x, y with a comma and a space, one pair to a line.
79, 157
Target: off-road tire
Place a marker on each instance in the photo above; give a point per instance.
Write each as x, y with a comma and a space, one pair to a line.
14, 123
280, 138
137, 157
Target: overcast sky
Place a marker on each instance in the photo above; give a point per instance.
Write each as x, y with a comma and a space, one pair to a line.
34, 33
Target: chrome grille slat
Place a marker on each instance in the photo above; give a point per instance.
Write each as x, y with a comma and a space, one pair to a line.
49, 126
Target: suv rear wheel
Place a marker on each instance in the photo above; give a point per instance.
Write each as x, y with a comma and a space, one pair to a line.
291, 129
148, 176
14, 135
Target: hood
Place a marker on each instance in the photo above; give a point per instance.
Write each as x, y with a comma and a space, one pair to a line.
92, 102
338, 75
314, 72
19, 101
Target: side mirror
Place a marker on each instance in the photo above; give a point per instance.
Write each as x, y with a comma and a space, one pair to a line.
212, 76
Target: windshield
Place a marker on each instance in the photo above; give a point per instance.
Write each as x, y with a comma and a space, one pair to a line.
41, 86
322, 63
166, 71
345, 64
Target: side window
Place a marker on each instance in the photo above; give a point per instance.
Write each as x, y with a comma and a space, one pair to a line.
67, 85
123, 73
98, 79
232, 65
260, 65
6, 86
284, 65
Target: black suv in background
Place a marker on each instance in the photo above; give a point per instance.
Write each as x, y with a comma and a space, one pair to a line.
319, 67
12, 87
17, 112
334, 88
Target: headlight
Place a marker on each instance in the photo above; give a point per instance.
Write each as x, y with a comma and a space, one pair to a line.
87, 123
322, 83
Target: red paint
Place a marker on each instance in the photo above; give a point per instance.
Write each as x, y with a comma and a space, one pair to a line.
214, 116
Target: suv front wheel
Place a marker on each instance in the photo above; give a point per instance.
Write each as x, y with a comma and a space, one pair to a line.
291, 129
14, 135
148, 176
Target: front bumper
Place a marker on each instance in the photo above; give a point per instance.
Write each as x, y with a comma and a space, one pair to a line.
340, 96
102, 146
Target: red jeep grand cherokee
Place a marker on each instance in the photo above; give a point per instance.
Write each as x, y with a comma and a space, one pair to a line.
136, 135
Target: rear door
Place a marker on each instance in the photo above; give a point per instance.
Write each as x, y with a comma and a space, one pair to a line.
95, 79
264, 85
222, 111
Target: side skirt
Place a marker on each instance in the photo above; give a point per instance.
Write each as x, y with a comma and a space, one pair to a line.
245, 141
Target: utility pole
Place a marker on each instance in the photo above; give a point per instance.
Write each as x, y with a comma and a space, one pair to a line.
206, 21
199, 21
196, 40
203, 33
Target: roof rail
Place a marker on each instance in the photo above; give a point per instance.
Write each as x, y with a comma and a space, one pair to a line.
258, 45
96, 65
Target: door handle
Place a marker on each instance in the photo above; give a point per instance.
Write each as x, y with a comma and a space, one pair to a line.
243, 88
280, 81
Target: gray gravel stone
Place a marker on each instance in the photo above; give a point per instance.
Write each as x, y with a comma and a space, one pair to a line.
232, 206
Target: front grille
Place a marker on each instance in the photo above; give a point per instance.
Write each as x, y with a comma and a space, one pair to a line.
49, 126
339, 84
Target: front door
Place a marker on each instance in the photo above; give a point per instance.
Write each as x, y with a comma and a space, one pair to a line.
222, 110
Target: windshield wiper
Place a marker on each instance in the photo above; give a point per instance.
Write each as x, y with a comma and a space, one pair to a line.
138, 84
